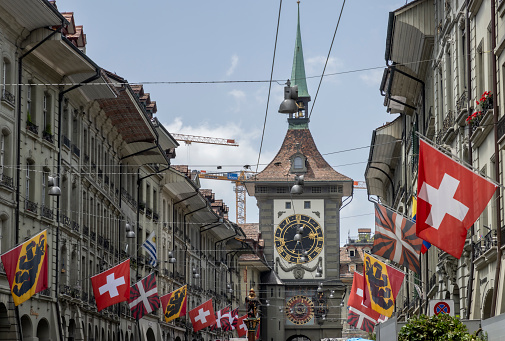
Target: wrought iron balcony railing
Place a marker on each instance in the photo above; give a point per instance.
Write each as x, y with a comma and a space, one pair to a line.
8, 97
46, 212
66, 141
31, 206
6, 181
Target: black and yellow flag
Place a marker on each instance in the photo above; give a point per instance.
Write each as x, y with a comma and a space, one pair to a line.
381, 285
174, 304
26, 268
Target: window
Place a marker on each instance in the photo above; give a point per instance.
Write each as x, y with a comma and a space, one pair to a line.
44, 111
288, 205
352, 253
316, 190
298, 162
306, 204
262, 189
282, 189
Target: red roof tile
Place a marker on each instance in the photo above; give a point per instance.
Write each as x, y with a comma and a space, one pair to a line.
317, 167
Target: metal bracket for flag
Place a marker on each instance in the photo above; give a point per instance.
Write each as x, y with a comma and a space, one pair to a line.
457, 159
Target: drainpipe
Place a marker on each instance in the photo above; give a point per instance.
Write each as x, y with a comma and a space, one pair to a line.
469, 92
18, 157
496, 162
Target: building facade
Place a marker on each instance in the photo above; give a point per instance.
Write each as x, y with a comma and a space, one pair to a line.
112, 161
442, 57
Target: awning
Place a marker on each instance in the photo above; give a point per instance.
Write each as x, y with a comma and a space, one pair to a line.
33, 14
383, 158
59, 54
144, 153
99, 88
408, 48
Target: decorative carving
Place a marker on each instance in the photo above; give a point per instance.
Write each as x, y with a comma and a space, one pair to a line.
298, 272
297, 266
280, 213
317, 213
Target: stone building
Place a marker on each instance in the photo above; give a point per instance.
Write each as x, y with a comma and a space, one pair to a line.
441, 57
112, 161
300, 231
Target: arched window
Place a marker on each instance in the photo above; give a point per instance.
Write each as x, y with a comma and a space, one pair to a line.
298, 162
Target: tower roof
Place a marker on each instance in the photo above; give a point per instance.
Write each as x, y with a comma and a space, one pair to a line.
298, 71
299, 141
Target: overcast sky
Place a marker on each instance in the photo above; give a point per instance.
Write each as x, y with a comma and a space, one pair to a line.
229, 40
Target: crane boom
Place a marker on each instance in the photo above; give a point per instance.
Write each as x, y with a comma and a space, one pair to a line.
188, 139
240, 192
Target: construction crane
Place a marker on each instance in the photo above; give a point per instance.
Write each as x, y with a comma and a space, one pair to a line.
240, 191
188, 139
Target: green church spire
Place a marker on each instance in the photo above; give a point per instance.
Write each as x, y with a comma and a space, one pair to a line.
298, 72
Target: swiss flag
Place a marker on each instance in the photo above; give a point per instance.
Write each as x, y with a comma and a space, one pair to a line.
241, 327
202, 316
112, 286
356, 297
450, 198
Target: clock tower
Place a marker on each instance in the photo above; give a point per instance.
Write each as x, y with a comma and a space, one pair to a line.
301, 229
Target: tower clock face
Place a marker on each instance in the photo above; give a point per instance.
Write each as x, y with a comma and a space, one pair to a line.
311, 241
300, 309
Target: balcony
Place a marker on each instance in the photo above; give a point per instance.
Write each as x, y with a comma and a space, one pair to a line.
8, 98
93, 166
106, 179
65, 221
484, 244
100, 240
46, 212
75, 226
31, 206
32, 128
48, 136
65, 290
100, 173
6, 181
156, 217
76, 151
66, 141
85, 230
142, 206
93, 236
149, 213
106, 244
86, 158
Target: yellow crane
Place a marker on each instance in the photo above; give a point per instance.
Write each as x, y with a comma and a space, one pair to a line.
240, 192
188, 139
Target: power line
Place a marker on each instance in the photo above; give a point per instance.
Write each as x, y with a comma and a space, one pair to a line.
270, 84
327, 58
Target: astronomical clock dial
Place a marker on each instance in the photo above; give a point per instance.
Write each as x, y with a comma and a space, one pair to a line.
311, 240
300, 309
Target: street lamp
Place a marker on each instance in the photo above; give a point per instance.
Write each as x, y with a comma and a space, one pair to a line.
171, 258
298, 186
129, 231
54, 190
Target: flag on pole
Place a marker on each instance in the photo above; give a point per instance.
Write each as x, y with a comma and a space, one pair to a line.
222, 317
241, 326
395, 238
150, 246
144, 297
174, 304
234, 318
381, 285
26, 268
112, 286
202, 316
360, 316
450, 198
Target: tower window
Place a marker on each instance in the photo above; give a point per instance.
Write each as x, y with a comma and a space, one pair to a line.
306, 204
298, 162
351, 253
316, 190
288, 205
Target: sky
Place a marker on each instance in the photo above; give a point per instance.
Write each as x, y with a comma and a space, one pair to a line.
162, 41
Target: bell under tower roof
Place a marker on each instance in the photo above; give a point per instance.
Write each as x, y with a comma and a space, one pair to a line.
298, 71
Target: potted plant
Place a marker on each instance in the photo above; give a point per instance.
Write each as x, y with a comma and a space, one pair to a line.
486, 101
475, 118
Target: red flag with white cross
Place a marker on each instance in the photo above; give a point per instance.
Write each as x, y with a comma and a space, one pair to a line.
202, 316
241, 327
450, 198
112, 286
360, 316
